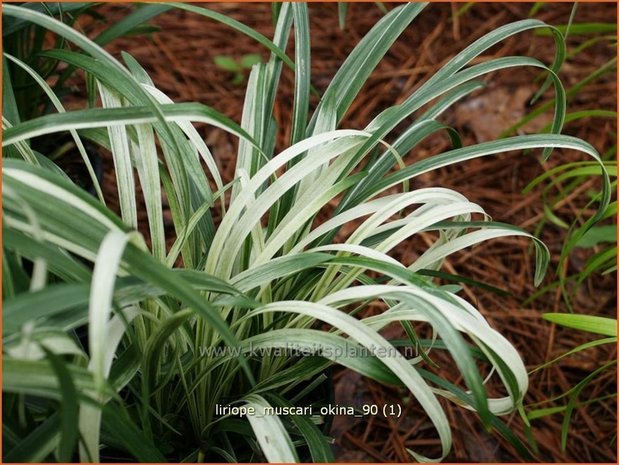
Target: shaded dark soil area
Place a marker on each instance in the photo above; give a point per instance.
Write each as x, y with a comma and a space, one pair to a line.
180, 60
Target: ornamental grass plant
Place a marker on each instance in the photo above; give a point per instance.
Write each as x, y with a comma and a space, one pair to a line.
123, 346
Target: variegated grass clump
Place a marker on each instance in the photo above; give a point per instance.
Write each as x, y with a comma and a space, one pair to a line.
262, 277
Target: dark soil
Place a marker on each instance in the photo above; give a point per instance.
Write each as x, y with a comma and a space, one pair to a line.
180, 61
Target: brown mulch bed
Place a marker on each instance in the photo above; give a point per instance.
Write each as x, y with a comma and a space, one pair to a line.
180, 61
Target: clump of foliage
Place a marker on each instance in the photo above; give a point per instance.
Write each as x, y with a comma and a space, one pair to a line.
597, 234
119, 346
571, 399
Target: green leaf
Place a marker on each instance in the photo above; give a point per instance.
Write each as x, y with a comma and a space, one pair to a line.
277, 268
38, 445
588, 323
129, 23
10, 111
226, 63
582, 29
117, 423
342, 9
597, 235
302, 71
68, 409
